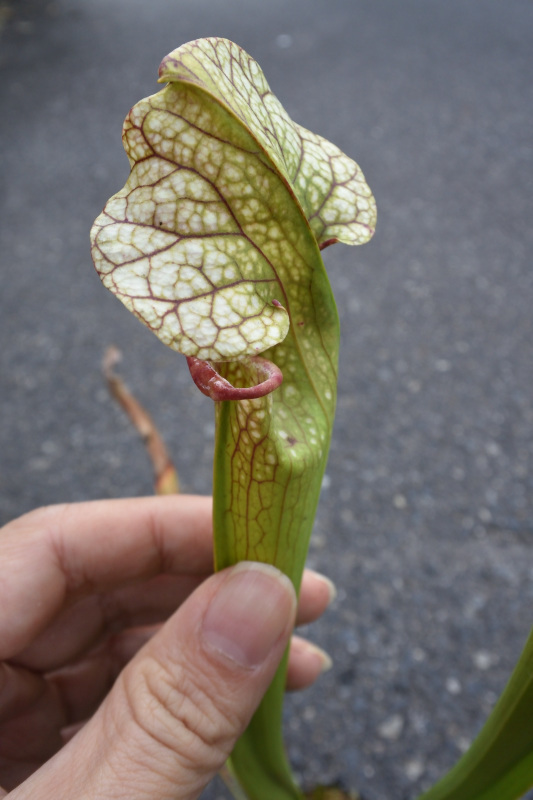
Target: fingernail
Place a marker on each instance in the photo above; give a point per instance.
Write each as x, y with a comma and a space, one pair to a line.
252, 609
324, 659
332, 589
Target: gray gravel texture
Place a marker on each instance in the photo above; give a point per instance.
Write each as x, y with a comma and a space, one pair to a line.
426, 517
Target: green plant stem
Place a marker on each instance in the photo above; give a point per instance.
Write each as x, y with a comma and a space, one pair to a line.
259, 759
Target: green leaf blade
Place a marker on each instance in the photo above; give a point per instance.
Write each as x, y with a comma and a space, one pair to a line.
499, 763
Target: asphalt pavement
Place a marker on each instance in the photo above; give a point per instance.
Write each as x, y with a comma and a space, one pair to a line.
426, 517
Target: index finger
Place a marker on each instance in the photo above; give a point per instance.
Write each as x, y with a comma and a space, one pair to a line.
54, 555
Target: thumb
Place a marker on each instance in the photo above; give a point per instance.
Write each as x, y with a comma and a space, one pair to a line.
178, 708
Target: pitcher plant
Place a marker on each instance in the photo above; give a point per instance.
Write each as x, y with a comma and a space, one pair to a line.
214, 243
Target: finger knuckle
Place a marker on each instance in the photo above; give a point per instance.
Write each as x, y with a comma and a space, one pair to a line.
177, 711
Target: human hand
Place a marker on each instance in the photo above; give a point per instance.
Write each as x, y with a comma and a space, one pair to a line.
84, 590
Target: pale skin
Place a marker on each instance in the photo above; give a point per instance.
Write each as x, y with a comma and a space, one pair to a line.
105, 689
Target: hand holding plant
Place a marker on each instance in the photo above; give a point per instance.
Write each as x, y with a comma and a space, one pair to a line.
109, 576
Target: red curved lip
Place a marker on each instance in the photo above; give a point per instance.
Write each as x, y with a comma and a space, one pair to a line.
216, 387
